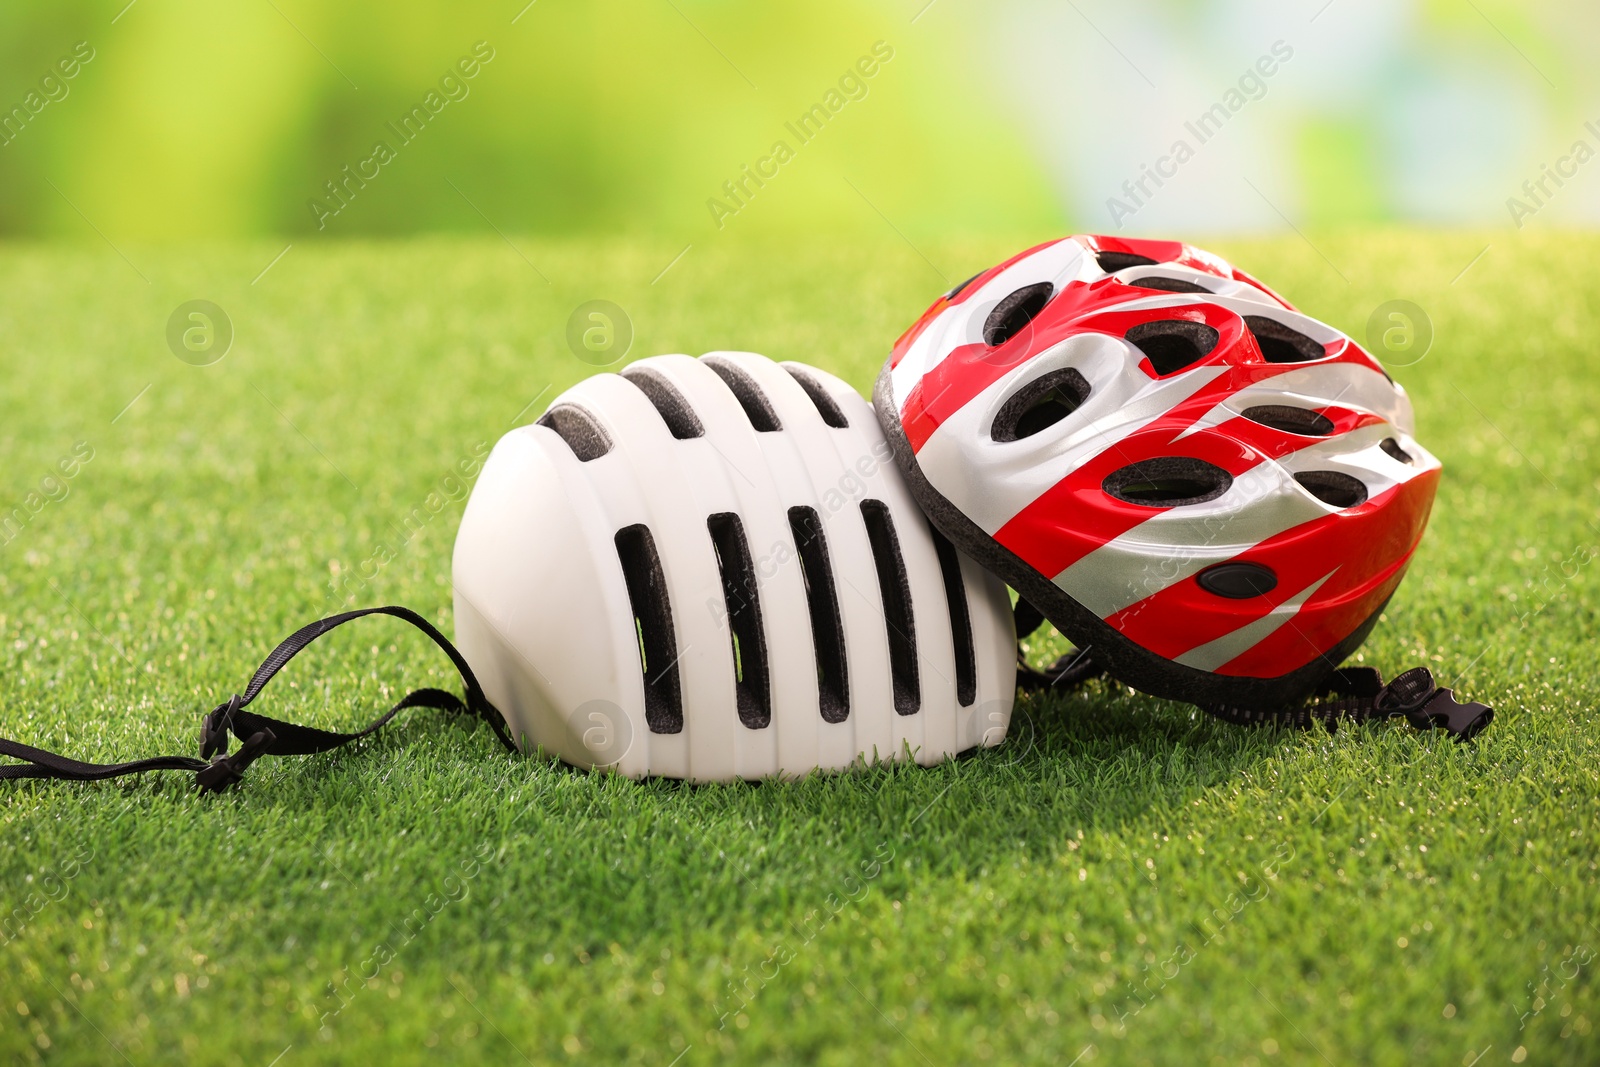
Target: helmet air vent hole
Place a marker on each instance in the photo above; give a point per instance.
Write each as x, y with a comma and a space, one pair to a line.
1392, 449
756, 406
895, 588
1290, 419
1040, 404
749, 642
1173, 344
1283, 344
675, 410
1012, 315
1169, 285
580, 430
652, 622
1238, 581
1334, 488
826, 407
822, 603
1111, 262
955, 592
1169, 481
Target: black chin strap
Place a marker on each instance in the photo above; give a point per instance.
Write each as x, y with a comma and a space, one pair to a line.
1350, 694
215, 769
1358, 695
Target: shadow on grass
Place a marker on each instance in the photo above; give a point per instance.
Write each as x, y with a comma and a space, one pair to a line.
615, 858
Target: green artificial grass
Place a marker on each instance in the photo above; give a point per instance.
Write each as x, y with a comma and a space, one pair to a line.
1125, 881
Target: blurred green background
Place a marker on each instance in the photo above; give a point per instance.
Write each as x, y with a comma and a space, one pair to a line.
206, 120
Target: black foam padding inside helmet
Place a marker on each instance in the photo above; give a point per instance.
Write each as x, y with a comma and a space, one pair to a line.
1290, 419
1167, 481
675, 411
1173, 344
1039, 404
1111, 262
580, 430
1013, 314
826, 406
1168, 285
1334, 488
1283, 344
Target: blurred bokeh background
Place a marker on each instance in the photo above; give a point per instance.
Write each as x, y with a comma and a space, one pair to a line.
185, 119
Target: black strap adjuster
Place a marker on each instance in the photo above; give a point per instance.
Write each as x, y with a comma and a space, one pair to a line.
225, 770
214, 727
1407, 693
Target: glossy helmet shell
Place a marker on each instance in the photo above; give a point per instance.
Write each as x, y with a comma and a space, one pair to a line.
1213, 492
712, 569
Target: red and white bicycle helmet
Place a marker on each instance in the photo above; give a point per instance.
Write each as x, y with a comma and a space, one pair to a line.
1212, 492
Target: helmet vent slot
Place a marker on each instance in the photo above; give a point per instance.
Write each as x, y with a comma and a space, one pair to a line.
751, 678
1334, 488
1173, 344
1111, 262
1169, 285
1040, 404
955, 593
822, 603
674, 409
826, 407
1283, 344
756, 406
894, 586
652, 622
1013, 314
1169, 481
1238, 581
1291, 419
959, 289
1392, 449
579, 429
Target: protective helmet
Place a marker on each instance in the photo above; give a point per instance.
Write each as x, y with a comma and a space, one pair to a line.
711, 569
1211, 492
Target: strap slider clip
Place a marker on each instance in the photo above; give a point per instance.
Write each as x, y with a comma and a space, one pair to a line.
226, 770
214, 727
1407, 694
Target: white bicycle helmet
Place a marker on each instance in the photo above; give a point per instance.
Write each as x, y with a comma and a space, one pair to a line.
712, 569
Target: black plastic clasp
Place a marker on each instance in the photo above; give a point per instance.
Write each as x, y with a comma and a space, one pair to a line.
1462, 721
226, 770
1407, 694
214, 728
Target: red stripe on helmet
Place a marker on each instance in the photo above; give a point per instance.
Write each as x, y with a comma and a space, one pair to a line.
1363, 541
